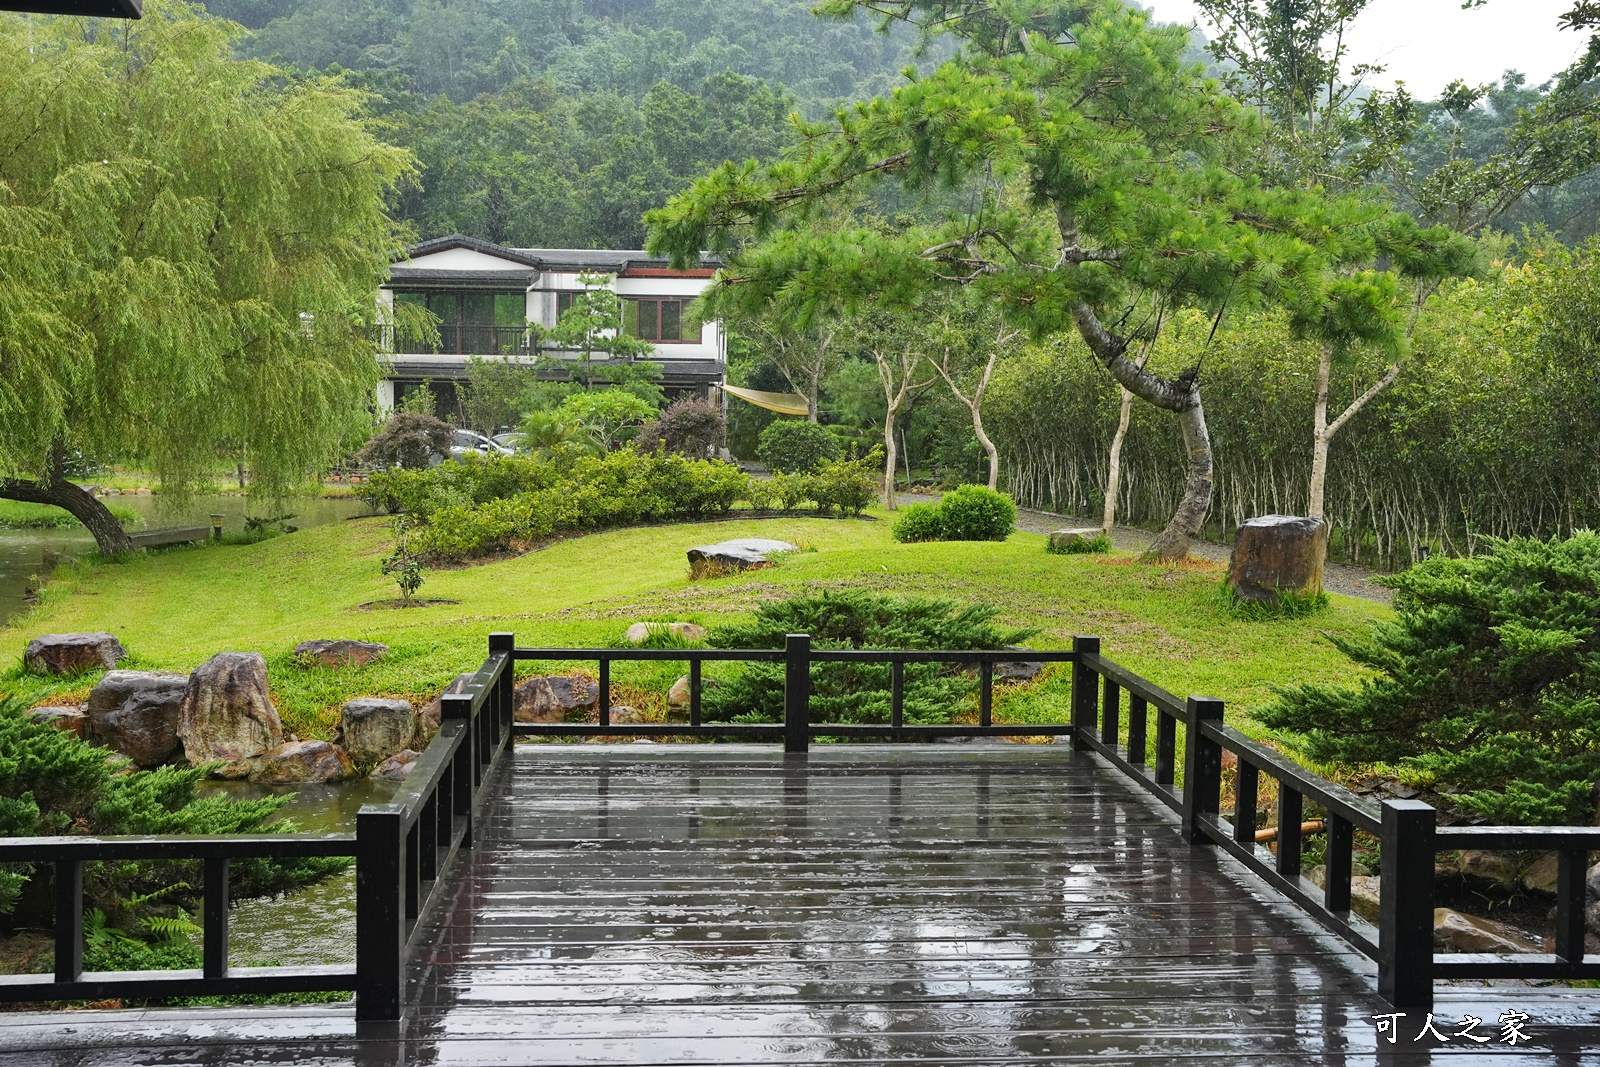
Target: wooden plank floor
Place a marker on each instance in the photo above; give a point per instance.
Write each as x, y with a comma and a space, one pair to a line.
946, 904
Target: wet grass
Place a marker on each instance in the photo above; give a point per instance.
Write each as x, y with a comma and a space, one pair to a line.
175, 609
16, 515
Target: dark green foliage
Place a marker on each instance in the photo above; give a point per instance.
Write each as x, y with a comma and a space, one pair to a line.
857, 693
1488, 679
919, 522
409, 439
1287, 604
795, 446
689, 427
967, 513
839, 486
1080, 546
52, 783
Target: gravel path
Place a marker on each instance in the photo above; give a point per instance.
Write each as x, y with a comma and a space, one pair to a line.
1337, 578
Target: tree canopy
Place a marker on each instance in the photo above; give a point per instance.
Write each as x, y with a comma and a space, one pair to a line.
190, 244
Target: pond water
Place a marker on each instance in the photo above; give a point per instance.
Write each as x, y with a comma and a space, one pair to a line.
26, 554
315, 925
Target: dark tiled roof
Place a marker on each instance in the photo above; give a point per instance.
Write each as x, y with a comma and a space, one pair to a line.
605, 260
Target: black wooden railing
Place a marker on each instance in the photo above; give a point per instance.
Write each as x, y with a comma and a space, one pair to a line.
405, 848
401, 849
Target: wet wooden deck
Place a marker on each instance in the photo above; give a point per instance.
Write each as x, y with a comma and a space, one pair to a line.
944, 904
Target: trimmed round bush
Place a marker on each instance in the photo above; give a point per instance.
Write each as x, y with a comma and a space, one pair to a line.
977, 513
920, 522
795, 446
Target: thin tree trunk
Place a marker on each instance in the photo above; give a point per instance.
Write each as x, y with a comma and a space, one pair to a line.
1320, 436
109, 536
1108, 520
1181, 396
889, 462
974, 403
988, 446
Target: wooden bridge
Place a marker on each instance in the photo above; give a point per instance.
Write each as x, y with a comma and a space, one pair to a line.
970, 903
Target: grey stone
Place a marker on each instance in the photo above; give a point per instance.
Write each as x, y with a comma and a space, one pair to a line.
1278, 553
626, 715
67, 720
228, 712
640, 632
137, 713
1497, 867
1364, 889
678, 695
741, 553
302, 762
397, 766
1061, 540
1017, 670
1455, 932
341, 653
1541, 876
556, 698
373, 728
71, 653
432, 712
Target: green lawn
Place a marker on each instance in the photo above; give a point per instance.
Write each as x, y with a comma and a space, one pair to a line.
16, 515
175, 609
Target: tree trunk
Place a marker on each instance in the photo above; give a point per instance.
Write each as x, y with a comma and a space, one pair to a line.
1181, 396
988, 446
109, 536
811, 397
1319, 437
1108, 521
889, 462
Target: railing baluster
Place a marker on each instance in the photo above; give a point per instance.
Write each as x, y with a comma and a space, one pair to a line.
1570, 889
1246, 796
215, 958
428, 839
1085, 690
897, 695
1336, 862
605, 691
986, 694
1111, 716
1202, 771
1166, 746
1405, 904
694, 692
1138, 723
69, 920
413, 877
380, 928
1291, 810
797, 693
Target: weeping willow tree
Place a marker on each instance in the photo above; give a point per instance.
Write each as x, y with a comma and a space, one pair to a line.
189, 245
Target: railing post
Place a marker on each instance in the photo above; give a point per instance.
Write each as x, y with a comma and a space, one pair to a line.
215, 957
1202, 771
380, 914
69, 920
797, 693
1085, 692
1405, 904
1570, 891
505, 690
458, 707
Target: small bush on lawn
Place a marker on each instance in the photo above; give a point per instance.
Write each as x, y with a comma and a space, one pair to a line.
857, 692
919, 522
1487, 681
796, 446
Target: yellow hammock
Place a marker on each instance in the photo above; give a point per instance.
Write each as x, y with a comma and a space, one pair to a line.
782, 403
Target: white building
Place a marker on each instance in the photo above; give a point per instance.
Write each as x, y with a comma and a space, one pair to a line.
485, 295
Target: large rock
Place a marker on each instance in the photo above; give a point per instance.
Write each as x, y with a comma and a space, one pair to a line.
372, 728
432, 712
1364, 889
341, 653
640, 632
1017, 670
1497, 867
626, 715
678, 695
1075, 540
228, 712
556, 698
1455, 932
1278, 553
137, 713
1543, 875
741, 553
67, 720
397, 767
302, 763
71, 653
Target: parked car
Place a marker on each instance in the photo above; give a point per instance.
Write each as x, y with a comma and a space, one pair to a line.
473, 441
511, 440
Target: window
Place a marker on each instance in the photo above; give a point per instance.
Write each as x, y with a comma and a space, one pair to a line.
564, 303
472, 323
660, 320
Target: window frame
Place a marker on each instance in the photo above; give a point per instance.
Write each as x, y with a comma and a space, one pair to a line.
635, 316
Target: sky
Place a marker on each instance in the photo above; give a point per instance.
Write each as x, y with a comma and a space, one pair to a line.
1429, 43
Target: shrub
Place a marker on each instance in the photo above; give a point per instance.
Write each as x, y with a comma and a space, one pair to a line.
920, 522
1487, 681
977, 513
857, 692
409, 439
796, 446
689, 427
847, 486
